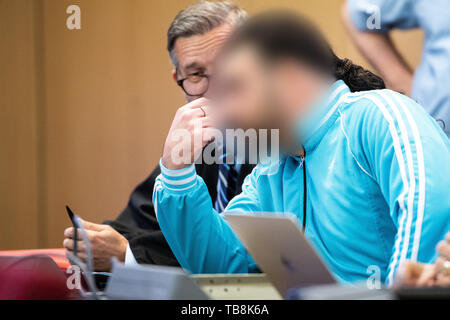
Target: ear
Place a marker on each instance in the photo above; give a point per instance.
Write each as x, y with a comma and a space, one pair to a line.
174, 74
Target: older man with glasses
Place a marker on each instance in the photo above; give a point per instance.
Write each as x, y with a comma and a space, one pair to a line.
194, 39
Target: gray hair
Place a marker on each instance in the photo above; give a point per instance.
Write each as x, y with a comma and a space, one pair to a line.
201, 18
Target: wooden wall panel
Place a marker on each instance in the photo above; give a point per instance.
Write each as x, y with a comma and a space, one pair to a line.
110, 99
18, 130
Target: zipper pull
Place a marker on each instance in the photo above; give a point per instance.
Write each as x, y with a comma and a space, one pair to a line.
305, 194
302, 156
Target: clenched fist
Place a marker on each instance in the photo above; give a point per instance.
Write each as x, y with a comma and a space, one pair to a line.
105, 244
192, 129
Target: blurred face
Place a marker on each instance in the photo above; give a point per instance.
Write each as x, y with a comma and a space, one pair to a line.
243, 94
250, 93
196, 56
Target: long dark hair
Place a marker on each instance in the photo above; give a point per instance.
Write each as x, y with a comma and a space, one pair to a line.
281, 34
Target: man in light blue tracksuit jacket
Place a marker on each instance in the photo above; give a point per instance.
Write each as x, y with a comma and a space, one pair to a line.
376, 168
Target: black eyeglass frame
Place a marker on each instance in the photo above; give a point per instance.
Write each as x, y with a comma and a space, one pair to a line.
180, 83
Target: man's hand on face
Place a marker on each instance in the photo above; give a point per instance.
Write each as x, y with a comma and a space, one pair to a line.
105, 244
413, 274
194, 119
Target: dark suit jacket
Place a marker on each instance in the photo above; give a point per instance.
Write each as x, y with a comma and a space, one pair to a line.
138, 222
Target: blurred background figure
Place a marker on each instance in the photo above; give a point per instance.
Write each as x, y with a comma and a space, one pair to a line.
370, 22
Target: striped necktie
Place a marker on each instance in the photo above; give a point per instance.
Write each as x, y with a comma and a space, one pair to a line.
226, 185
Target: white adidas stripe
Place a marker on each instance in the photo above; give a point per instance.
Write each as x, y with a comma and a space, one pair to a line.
178, 182
400, 160
412, 179
156, 188
177, 173
421, 167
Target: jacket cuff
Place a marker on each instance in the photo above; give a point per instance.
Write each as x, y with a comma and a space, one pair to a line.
178, 180
129, 256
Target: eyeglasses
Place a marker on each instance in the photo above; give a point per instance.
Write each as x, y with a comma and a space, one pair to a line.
195, 84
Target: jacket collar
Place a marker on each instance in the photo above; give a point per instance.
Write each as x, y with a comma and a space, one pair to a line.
312, 128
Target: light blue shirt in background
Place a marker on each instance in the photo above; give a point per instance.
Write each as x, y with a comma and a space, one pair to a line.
431, 85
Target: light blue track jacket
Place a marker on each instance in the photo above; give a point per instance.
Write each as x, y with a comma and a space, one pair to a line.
378, 191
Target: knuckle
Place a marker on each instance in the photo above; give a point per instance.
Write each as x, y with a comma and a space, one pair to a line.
182, 109
67, 244
185, 116
67, 232
94, 238
440, 246
191, 123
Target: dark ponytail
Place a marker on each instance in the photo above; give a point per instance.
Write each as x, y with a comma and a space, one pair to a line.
356, 77
281, 34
